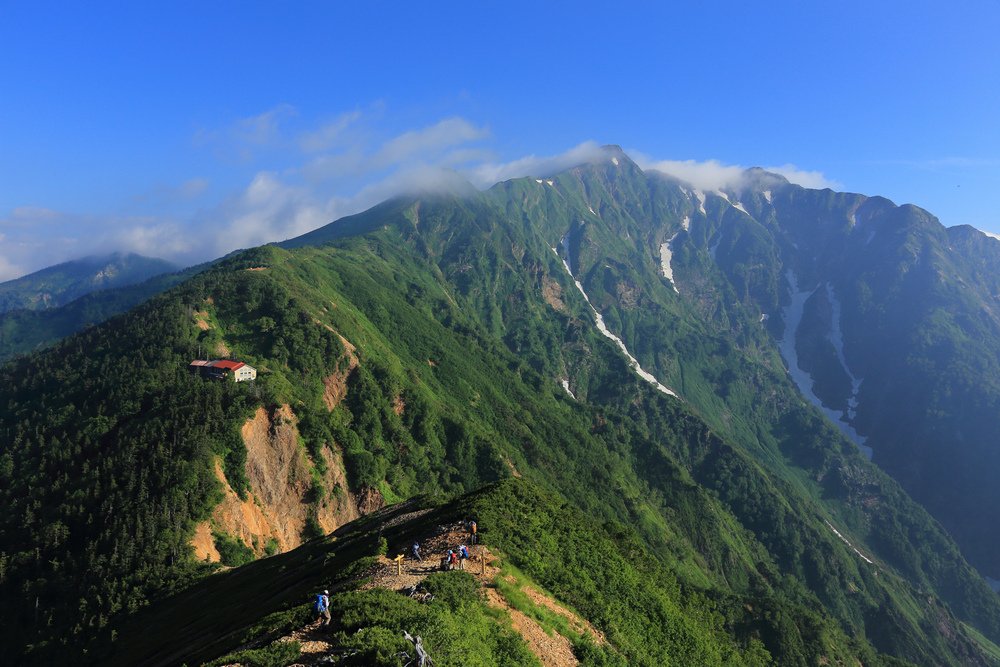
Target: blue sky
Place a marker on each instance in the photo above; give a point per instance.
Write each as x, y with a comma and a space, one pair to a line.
186, 130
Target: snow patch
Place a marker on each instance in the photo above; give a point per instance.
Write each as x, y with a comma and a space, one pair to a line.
686, 223
767, 196
603, 328
792, 315
666, 254
700, 196
565, 385
844, 540
550, 182
763, 318
614, 161
591, 209
723, 195
538, 180
991, 234
739, 207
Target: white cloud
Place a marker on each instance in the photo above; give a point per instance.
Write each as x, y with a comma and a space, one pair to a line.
707, 175
807, 179
430, 140
35, 238
263, 129
445, 143
714, 175
488, 173
267, 210
244, 139
329, 135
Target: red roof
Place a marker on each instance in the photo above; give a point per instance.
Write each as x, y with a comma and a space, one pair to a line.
200, 362
228, 365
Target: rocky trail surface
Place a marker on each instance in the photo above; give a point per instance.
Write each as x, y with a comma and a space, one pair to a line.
550, 647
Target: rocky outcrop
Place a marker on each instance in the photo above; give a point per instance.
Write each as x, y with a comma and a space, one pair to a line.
335, 384
280, 498
370, 500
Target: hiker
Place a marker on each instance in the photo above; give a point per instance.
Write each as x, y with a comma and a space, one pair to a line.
321, 608
452, 559
463, 555
472, 531
444, 562
416, 551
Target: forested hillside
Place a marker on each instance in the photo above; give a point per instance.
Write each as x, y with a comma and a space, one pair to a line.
419, 348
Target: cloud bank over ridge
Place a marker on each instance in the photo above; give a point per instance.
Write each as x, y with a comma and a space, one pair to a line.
304, 176
714, 175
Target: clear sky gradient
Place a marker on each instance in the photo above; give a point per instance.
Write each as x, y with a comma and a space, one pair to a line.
185, 130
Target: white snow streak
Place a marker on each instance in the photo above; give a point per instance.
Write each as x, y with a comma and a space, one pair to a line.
844, 540
550, 182
739, 207
565, 384
614, 161
603, 328
666, 254
538, 180
767, 196
723, 195
591, 209
700, 196
792, 315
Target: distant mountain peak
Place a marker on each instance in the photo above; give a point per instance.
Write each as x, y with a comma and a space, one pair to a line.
61, 283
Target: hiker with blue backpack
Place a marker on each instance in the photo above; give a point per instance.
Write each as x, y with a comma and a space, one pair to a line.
321, 608
463, 555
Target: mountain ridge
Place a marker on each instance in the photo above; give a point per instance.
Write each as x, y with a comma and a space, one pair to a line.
467, 314
61, 283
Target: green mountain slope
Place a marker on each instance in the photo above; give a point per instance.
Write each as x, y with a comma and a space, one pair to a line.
426, 356
891, 319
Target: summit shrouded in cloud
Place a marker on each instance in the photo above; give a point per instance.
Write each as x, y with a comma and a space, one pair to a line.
302, 178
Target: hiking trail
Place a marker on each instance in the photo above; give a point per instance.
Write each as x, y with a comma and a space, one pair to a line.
552, 650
